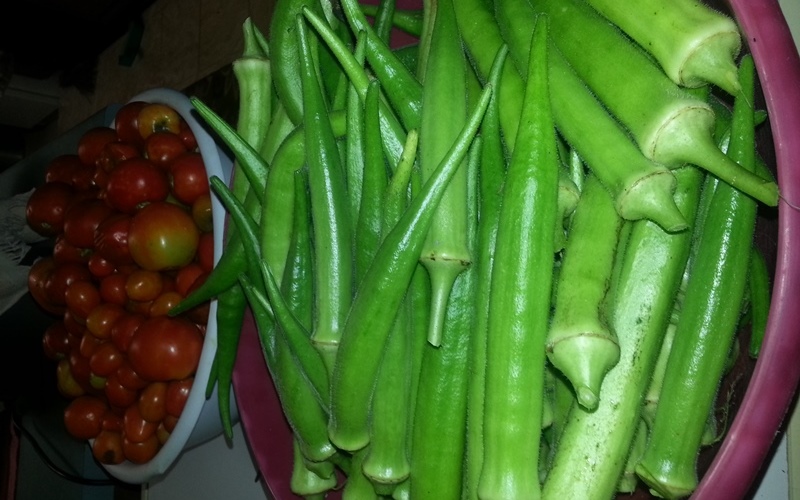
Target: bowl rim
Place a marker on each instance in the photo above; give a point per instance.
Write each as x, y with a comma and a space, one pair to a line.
185, 434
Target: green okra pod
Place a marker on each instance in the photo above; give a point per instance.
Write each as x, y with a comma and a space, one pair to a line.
379, 296
580, 342
519, 302
407, 20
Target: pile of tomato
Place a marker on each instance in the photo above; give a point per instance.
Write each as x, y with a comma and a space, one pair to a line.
129, 214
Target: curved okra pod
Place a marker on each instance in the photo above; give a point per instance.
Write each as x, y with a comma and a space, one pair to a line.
670, 125
692, 42
708, 320
445, 253
580, 343
379, 296
520, 295
407, 20
333, 274
354, 161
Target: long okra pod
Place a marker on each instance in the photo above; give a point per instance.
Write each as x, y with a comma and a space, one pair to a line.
407, 20
445, 254
708, 320
354, 161
332, 240
519, 302
379, 296
580, 342
692, 42
593, 447
670, 125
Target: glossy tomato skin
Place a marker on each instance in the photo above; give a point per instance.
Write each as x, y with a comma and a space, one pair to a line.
136, 182
55, 341
82, 219
107, 447
189, 178
69, 169
111, 239
66, 383
164, 349
155, 117
163, 236
176, 396
92, 142
163, 147
115, 153
38, 276
187, 136
64, 251
47, 206
141, 452
61, 278
152, 401
83, 416
81, 297
126, 122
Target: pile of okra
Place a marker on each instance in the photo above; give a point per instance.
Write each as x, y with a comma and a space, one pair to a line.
507, 261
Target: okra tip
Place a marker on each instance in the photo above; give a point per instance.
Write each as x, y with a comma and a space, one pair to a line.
651, 197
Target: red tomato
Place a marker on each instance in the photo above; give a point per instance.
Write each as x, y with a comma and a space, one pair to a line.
79, 366
169, 423
165, 348
164, 303
141, 452
82, 219
205, 252
61, 278
99, 266
47, 206
111, 239
38, 276
69, 169
55, 341
92, 142
81, 297
176, 396
64, 251
162, 432
163, 147
66, 383
152, 401
105, 359
186, 276
118, 395
135, 427
112, 289
134, 183
143, 285
126, 122
128, 378
163, 236
156, 117
189, 178
112, 421
73, 326
187, 136
88, 345
107, 447
123, 329
83, 416
102, 318
115, 153
202, 212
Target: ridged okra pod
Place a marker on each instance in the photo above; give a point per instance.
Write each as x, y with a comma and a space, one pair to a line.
580, 342
519, 301
593, 446
692, 42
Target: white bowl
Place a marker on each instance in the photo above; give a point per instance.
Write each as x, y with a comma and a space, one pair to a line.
200, 420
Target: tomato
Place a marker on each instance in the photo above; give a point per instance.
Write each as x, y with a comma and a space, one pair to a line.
157, 117
189, 178
164, 303
165, 348
79, 366
62, 276
69, 169
64, 251
187, 136
152, 401
102, 318
88, 345
163, 236
83, 416
47, 206
123, 329
99, 266
115, 153
105, 359
81, 297
205, 252
38, 275
112, 288
55, 341
112, 421
111, 239
134, 425
143, 285
118, 395
186, 276
107, 447
92, 142
162, 432
74, 327
163, 147
176, 396
128, 377
134, 183
170, 422
126, 122
82, 219
66, 383
141, 452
